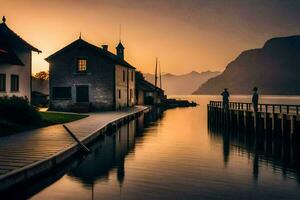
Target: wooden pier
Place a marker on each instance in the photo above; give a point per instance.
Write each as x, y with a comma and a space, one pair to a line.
26, 156
274, 118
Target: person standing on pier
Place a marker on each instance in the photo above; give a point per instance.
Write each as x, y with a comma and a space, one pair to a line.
255, 99
225, 95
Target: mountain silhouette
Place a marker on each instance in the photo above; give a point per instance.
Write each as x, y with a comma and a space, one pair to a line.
184, 84
274, 69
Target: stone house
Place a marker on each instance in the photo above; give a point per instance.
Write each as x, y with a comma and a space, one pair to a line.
146, 92
15, 63
84, 75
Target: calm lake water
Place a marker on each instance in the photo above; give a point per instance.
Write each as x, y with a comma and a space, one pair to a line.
177, 157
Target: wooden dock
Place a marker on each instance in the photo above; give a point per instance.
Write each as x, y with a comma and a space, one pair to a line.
27, 155
275, 118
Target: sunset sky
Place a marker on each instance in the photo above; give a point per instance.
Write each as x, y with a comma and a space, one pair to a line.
186, 35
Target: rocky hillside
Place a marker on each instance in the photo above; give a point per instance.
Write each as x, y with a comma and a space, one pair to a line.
184, 84
274, 69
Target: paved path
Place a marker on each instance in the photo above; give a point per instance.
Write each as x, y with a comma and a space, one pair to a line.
21, 150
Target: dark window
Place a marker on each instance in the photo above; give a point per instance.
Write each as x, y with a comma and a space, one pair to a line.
62, 93
132, 74
14, 83
119, 94
81, 65
123, 75
2, 82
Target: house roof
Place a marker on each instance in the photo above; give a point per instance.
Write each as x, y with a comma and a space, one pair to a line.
147, 86
81, 42
143, 84
11, 39
7, 56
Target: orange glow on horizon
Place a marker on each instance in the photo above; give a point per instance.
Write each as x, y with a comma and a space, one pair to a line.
184, 37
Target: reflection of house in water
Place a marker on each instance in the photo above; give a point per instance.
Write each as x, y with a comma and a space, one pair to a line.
140, 124
107, 154
124, 142
262, 149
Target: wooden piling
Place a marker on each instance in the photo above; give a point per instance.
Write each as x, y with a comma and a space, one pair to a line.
283, 123
293, 122
269, 118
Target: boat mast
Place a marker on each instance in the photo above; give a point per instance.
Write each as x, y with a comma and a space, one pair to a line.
160, 83
155, 76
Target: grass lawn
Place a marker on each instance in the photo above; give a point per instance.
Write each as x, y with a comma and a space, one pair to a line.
48, 118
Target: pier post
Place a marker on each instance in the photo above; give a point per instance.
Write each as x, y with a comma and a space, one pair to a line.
245, 119
283, 123
238, 118
274, 117
265, 121
293, 121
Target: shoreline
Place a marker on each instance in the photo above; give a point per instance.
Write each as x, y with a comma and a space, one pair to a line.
42, 166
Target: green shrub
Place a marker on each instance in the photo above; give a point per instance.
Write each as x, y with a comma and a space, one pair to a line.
18, 110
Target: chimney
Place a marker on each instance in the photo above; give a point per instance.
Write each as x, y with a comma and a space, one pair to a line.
105, 47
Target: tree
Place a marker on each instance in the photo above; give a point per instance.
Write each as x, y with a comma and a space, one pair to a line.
43, 75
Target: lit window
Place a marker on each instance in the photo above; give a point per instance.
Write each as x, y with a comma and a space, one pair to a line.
2, 82
81, 65
14, 80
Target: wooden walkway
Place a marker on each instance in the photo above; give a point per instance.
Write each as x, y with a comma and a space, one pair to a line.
270, 117
20, 152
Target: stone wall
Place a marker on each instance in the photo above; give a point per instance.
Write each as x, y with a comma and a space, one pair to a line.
124, 84
131, 83
140, 97
99, 77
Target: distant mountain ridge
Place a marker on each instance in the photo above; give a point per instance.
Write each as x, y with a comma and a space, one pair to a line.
184, 84
274, 69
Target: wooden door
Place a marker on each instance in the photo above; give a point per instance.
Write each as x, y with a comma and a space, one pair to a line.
82, 93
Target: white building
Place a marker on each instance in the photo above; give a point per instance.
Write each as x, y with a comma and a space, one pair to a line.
15, 63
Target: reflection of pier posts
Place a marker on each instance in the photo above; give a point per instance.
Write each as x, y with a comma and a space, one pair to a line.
255, 120
265, 146
255, 167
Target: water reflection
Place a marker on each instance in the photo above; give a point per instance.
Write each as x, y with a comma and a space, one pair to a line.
106, 155
281, 153
110, 152
176, 158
